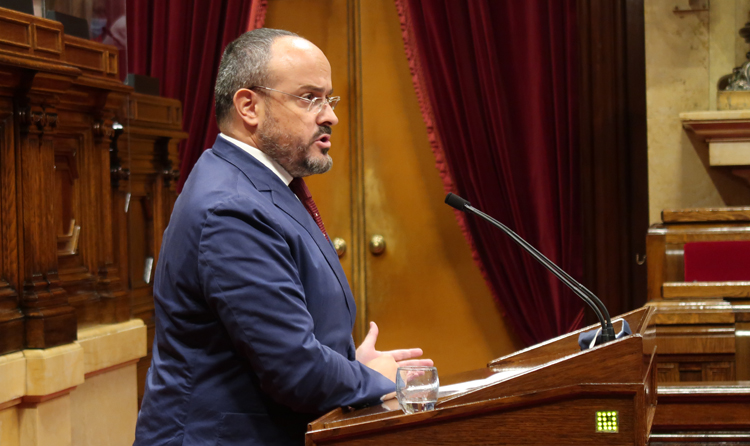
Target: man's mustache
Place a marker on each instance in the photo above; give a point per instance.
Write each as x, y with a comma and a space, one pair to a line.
322, 130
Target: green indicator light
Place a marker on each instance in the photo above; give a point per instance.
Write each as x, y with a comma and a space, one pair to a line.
606, 421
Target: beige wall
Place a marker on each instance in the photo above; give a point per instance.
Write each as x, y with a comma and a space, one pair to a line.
686, 54
80, 394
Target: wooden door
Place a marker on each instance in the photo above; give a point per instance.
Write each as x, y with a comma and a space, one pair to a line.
424, 290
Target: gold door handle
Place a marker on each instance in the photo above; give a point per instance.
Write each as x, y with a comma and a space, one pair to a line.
339, 245
377, 244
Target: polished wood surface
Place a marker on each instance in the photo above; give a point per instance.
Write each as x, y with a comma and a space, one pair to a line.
700, 326
706, 215
545, 394
384, 182
699, 413
701, 290
701, 340
149, 156
11, 316
700, 406
69, 181
665, 262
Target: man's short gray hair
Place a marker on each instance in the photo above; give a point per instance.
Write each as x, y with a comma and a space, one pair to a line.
244, 64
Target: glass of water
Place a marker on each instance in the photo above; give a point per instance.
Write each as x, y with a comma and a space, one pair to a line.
417, 388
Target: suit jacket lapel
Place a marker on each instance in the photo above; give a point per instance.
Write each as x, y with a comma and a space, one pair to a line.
288, 202
283, 197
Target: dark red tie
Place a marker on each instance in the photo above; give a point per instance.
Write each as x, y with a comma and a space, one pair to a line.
300, 189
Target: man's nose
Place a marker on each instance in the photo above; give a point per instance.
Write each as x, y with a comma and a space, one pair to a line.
327, 116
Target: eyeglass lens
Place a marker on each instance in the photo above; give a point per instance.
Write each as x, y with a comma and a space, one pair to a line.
318, 104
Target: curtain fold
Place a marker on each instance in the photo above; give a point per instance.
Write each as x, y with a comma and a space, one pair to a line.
180, 42
496, 82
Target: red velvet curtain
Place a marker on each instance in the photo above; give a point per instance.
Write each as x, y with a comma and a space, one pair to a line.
181, 42
496, 80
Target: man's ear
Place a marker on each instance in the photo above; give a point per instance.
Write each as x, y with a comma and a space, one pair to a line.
248, 106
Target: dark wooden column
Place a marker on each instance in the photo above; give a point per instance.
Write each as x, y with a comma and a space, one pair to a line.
149, 161
11, 317
115, 298
50, 320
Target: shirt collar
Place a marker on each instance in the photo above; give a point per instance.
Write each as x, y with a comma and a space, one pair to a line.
263, 158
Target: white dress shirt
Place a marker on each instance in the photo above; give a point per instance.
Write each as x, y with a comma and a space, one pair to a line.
263, 158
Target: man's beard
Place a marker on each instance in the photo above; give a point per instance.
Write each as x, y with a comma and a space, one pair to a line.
291, 152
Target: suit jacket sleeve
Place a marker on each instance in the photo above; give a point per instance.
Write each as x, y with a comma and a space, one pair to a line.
250, 279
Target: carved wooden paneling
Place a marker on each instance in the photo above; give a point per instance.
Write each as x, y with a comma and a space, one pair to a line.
50, 320
75, 227
695, 368
29, 35
152, 171
698, 413
87, 111
11, 317
668, 372
700, 326
700, 341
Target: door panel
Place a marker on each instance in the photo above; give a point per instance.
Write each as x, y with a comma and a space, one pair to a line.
424, 290
325, 24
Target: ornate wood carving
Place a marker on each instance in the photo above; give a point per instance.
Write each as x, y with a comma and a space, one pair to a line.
11, 317
62, 109
148, 177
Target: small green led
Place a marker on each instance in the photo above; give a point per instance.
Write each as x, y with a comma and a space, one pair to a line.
606, 421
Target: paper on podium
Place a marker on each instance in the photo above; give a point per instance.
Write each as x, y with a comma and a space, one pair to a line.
453, 389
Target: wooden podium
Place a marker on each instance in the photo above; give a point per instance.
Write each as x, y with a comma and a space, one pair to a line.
550, 393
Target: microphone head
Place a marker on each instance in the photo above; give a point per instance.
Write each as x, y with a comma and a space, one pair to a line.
457, 202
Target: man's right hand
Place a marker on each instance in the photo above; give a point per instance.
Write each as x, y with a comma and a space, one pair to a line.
385, 365
366, 352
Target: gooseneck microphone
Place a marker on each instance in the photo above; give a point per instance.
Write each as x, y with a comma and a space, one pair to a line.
608, 331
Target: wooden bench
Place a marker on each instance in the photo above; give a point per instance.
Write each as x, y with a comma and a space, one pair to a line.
702, 327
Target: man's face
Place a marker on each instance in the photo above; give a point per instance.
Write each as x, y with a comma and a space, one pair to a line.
294, 137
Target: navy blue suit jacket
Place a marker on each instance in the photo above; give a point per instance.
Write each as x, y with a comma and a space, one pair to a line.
253, 315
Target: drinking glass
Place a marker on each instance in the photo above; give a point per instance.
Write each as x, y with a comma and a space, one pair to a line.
417, 388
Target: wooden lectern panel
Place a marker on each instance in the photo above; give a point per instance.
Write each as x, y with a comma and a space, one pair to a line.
547, 394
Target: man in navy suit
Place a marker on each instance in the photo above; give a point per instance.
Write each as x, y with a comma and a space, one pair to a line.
253, 311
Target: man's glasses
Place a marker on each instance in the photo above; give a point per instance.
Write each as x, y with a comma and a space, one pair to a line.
314, 105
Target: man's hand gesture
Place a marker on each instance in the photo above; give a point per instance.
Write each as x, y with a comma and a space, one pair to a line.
387, 362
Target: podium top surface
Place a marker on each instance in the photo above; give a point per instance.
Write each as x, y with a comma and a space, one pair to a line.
553, 370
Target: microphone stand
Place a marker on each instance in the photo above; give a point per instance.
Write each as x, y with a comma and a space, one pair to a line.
608, 331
